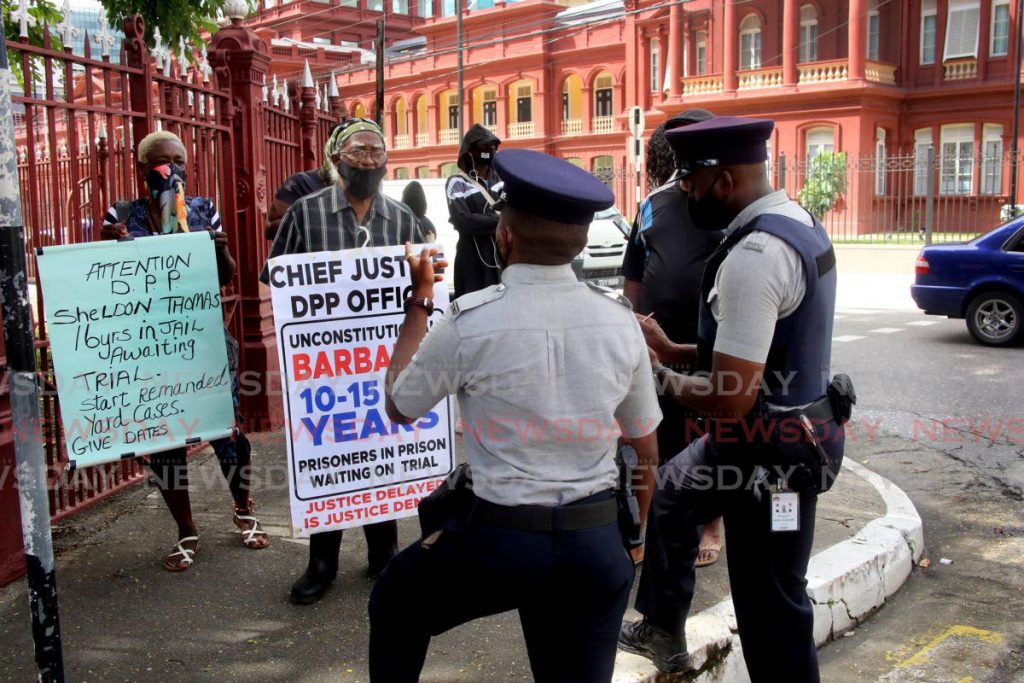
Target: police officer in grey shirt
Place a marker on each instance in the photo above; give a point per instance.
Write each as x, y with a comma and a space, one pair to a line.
548, 373
763, 352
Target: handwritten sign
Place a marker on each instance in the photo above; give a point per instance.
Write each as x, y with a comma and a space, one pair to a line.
138, 345
338, 315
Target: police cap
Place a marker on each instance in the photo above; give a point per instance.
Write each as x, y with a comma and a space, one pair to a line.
550, 188
721, 141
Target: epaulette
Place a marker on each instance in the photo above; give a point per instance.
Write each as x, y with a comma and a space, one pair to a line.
611, 294
476, 299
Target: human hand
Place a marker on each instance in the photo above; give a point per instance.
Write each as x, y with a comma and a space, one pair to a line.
422, 269
657, 341
220, 241
113, 231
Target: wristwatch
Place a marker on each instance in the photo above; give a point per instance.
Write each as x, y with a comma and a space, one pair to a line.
423, 302
659, 372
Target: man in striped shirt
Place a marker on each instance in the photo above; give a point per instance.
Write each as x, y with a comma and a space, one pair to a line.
352, 212
348, 214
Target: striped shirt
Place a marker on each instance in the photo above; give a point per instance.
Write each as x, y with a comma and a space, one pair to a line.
325, 221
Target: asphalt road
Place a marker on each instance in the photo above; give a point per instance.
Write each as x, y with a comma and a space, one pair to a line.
922, 378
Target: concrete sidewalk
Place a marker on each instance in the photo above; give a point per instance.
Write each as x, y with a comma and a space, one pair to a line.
875, 277
228, 618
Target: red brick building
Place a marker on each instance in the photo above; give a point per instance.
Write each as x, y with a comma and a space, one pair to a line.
885, 82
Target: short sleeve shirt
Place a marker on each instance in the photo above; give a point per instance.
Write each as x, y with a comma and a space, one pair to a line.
547, 375
202, 215
666, 254
761, 281
298, 185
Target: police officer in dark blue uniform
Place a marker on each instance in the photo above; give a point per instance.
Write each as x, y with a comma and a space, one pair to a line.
773, 443
547, 371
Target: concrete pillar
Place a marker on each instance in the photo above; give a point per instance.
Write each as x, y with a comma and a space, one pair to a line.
857, 42
674, 62
790, 41
730, 50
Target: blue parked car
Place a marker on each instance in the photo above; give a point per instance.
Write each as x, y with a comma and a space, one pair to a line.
981, 280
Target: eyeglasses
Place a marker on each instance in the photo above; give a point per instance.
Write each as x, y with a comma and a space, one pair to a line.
377, 154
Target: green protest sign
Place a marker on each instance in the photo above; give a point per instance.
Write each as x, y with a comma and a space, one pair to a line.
138, 345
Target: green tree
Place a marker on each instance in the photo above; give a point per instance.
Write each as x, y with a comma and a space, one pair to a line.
188, 18
45, 13
825, 182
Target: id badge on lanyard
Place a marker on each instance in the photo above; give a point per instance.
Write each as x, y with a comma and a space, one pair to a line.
785, 507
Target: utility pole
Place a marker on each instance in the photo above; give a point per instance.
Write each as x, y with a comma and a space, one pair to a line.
1014, 144
458, 39
21, 361
380, 73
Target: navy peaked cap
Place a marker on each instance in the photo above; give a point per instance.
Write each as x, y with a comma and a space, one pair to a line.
721, 141
546, 187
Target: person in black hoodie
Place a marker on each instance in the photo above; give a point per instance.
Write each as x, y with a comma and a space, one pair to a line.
471, 195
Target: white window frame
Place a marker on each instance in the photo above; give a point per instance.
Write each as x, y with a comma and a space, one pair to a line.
962, 11
873, 33
880, 162
753, 34
808, 35
992, 159
928, 11
996, 5
960, 163
701, 61
922, 143
818, 140
654, 64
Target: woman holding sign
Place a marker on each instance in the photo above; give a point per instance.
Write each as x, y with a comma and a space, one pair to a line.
167, 210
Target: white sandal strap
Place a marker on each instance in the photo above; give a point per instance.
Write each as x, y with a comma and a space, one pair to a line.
251, 533
186, 553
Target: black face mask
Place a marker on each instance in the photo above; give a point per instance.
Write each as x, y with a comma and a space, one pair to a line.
707, 213
361, 183
484, 158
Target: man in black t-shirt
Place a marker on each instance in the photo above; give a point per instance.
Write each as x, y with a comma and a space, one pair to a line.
298, 185
662, 266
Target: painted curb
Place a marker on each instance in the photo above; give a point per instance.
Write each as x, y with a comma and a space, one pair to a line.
846, 582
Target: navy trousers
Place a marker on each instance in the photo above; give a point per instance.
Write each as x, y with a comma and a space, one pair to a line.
767, 571
570, 588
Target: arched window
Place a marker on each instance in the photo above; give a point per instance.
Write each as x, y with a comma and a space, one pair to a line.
359, 111
401, 173
808, 34
819, 140
750, 42
422, 172
448, 170
401, 118
575, 161
603, 168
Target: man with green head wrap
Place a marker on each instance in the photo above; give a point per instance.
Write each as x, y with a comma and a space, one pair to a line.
347, 212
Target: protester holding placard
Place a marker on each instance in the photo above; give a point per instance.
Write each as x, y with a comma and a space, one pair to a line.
549, 372
168, 210
349, 214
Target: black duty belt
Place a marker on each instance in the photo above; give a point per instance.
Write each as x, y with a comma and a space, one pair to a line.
545, 518
820, 410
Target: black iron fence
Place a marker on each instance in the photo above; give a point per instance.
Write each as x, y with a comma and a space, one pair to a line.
901, 199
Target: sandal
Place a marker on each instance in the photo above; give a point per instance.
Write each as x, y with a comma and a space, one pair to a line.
708, 554
187, 555
253, 537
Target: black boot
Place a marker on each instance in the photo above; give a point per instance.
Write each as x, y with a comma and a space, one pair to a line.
323, 567
381, 546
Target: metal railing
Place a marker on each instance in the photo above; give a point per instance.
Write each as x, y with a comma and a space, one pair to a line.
520, 130
904, 198
602, 124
